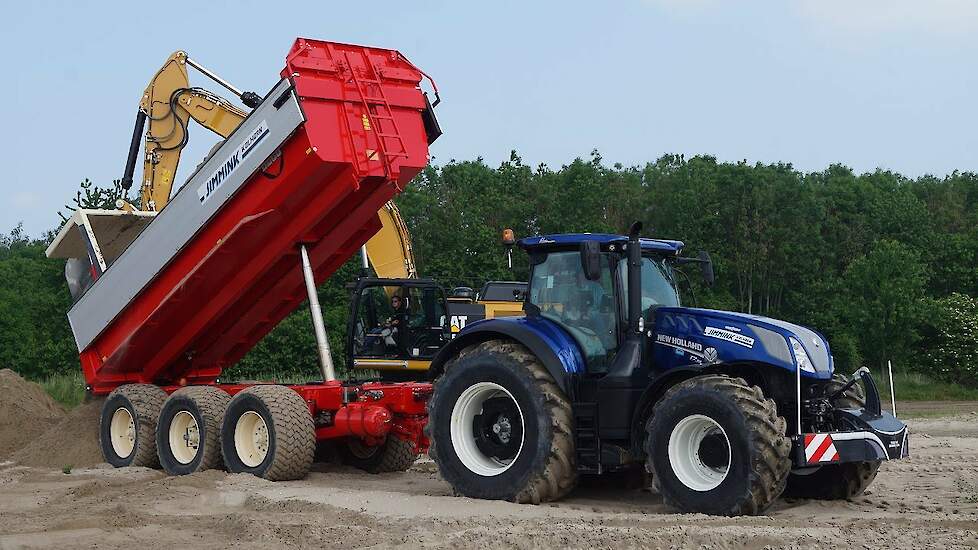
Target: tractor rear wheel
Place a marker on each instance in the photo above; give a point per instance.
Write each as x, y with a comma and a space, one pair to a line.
393, 455
127, 426
501, 428
716, 445
188, 436
268, 431
835, 481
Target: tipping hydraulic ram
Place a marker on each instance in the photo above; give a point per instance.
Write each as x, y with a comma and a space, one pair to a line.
180, 295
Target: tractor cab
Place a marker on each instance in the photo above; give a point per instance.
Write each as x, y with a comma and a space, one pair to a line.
396, 325
580, 282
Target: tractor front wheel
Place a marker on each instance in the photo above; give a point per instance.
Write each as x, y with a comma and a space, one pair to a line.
716, 445
501, 428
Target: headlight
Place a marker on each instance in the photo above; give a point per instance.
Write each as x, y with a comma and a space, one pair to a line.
801, 357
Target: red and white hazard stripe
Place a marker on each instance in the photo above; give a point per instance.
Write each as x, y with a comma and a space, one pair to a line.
820, 448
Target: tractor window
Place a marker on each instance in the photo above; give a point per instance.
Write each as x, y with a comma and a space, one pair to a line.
585, 308
658, 284
399, 322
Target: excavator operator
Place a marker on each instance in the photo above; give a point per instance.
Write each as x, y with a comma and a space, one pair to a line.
396, 327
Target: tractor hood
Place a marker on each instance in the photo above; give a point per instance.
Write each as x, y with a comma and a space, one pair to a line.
684, 336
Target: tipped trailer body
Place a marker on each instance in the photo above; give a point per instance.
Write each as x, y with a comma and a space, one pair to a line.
304, 175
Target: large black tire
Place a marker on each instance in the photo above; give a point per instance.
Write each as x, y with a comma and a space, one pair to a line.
836, 481
393, 455
140, 404
289, 443
746, 447
204, 406
543, 466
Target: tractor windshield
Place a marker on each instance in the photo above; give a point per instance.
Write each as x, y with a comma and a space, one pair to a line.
658, 283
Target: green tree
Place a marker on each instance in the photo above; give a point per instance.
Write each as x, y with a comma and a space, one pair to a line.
883, 301
35, 339
952, 353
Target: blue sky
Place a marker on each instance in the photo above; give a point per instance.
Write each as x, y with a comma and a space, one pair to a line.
868, 83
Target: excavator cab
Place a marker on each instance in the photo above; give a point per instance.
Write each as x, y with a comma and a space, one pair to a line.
396, 326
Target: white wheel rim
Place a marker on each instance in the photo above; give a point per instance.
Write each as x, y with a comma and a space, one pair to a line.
685, 453
470, 404
251, 439
184, 437
122, 432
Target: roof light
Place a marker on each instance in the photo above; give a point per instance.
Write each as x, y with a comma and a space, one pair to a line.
509, 238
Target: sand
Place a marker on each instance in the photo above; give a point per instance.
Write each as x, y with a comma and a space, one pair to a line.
927, 501
36, 431
72, 441
26, 412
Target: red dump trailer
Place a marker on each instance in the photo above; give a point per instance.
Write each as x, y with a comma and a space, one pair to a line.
178, 296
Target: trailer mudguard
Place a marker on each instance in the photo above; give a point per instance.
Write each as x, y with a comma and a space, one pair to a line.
556, 349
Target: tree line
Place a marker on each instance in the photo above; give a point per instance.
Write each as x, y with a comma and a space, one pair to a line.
885, 266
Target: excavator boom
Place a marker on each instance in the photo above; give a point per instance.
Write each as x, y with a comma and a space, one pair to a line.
167, 105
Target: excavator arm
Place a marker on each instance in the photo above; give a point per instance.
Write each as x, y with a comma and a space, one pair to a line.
167, 106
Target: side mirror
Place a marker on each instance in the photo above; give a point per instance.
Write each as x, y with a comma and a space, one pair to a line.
591, 260
706, 264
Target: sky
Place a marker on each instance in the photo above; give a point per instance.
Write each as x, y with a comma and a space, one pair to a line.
867, 83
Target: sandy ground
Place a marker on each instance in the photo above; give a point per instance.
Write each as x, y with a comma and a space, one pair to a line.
927, 501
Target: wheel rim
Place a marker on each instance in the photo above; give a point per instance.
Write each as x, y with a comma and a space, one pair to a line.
487, 429
699, 452
251, 439
184, 437
122, 432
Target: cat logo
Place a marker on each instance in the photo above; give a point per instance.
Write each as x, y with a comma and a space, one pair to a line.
458, 322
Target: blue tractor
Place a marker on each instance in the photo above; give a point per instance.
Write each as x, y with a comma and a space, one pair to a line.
607, 371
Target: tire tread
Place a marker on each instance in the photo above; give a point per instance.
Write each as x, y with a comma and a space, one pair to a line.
295, 434
770, 462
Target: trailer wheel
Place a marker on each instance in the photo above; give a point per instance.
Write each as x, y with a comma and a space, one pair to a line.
188, 437
501, 427
127, 425
393, 455
835, 481
716, 445
268, 431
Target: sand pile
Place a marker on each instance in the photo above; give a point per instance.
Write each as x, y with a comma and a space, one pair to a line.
71, 442
26, 412
36, 431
